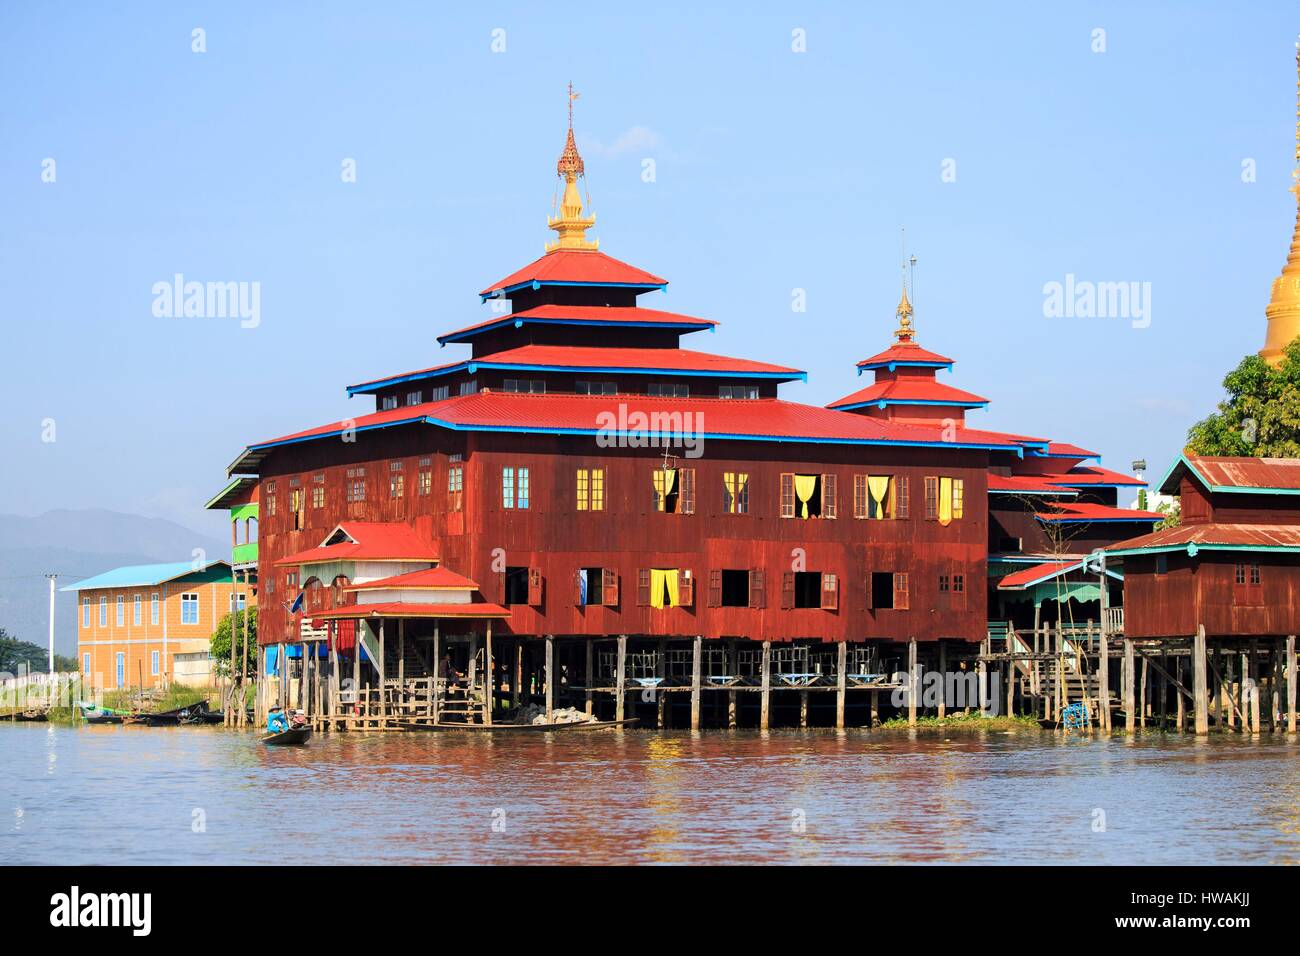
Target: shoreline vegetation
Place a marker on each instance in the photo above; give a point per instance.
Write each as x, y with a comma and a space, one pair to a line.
972, 721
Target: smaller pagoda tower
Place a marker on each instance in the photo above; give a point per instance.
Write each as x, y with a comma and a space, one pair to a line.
1283, 309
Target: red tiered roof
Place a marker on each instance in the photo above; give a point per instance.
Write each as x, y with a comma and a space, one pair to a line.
909, 352
903, 391
370, 541
579, 315
577, 265
399, 609
1083, 476
1036, 574
1060, 449
1025, 485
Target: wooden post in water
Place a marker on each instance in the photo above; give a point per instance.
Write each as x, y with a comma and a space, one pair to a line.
1253, 670
1230, 711
731, 694
517, 678
1290, 684
489, 677
1130, 703
619, 677
383, 690
550, 676
765, 687
1103, 677
841, 684
1275, 682
912, 682
696, 653
943, 679
589, 676
1199, 683
661, 671
1180, 702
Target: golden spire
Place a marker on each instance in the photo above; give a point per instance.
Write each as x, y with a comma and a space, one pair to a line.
905, 334
571, 226
1283, 309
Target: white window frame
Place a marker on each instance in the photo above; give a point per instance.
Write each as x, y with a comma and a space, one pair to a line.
119, 615
85, 613
85, 663
153, 663
190, 598
153, 608
103, 610
137, 610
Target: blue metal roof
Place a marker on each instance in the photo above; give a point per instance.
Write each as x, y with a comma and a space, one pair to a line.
141, 575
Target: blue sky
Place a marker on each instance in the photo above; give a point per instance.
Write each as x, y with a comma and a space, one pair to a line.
775, 171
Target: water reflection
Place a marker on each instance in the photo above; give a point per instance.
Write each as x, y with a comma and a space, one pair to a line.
131, 795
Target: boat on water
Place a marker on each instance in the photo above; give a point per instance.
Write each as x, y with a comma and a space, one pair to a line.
519, 728
293, 737
28, 716
100, 715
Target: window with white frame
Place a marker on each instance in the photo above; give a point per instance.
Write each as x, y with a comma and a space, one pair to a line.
120, 618
190, 608
387, 402
103, 611
596, 388
242, 601
85, 664
85, 612
737, 391
153, 664
137, 610
153, 608
669, 389
469, 388
415, 397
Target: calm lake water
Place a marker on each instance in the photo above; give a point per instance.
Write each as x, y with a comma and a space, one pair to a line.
137, 795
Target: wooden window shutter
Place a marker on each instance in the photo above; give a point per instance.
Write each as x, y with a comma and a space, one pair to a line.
686, 493
902, 497
757, 591
859, 496
787, 590
830, 592
931, 498
715, 588
534, 587
685, 588
901, 601
578, 581
787, 494
609, 586
871, 601
959, 591
643, 587
830, 496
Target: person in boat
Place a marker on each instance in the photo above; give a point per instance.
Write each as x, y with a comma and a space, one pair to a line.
276, 721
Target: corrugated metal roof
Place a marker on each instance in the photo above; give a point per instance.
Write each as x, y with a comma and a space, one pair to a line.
400, 609
581, 315
367, 541
1060, 449
1036, 574
142, 575
1083, 476
239, 491
1241, 537
581, 266
643, 415
429, 578
904, 391
1077, 512
1026, 485
1222, 473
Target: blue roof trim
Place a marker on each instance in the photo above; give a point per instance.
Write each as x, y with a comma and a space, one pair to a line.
1034, 491
1073, 520
538, 283
524, 429
418, 419
884, 402
871, 366
1193, 548
519, 323
367, 388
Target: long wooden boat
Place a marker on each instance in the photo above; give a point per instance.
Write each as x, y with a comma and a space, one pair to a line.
293, 737
28, 716
518, 728
99, 715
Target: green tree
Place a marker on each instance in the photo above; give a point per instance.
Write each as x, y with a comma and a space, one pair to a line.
219, 646
34, 657
1261, 415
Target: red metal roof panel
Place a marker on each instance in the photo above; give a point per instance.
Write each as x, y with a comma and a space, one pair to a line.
909, 352
436, 579
1079, 511
367, 541
1035, 574
581, 314
1081, 476
1247, 474
902, 391
1238, 536
577, 265
472, 610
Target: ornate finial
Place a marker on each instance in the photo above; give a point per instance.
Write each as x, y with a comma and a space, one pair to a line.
1283, 309
571, 226
905, 334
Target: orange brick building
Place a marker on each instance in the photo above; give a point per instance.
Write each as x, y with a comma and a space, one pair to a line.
134, 622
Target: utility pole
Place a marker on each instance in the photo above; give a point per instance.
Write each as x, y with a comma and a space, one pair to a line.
53, 578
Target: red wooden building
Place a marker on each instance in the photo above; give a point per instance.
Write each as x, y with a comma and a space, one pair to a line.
593, 480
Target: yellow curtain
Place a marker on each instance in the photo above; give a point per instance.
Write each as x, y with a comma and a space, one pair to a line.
945, 501
656, 588
878, 487
664, 481
804, 486
729, 479
670, 578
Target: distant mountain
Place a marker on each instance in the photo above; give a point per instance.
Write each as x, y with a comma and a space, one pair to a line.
77, 545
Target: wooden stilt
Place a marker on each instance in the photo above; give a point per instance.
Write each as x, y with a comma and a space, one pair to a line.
1180, 702
731, 694
696, 664
383, 688
913, 681
1130, 702
841, 683
1275, 687
661, 671
943, 680
1103, 677
874, 717
620, 687
765, 687
1199, 683
589, 676
550, 676
1290, 667
1253, 669
489, 677
517, 679
1229, 692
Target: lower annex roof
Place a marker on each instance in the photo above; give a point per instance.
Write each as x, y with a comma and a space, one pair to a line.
1213, 536
643, 416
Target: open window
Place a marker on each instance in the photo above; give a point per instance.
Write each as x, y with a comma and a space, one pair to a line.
674, 490
888, 590
597, 587
802, 589
808, 496
665, 587
522, 586
945, 499
876, 497
735, 588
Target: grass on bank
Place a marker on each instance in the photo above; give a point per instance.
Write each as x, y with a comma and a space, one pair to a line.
962, 721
